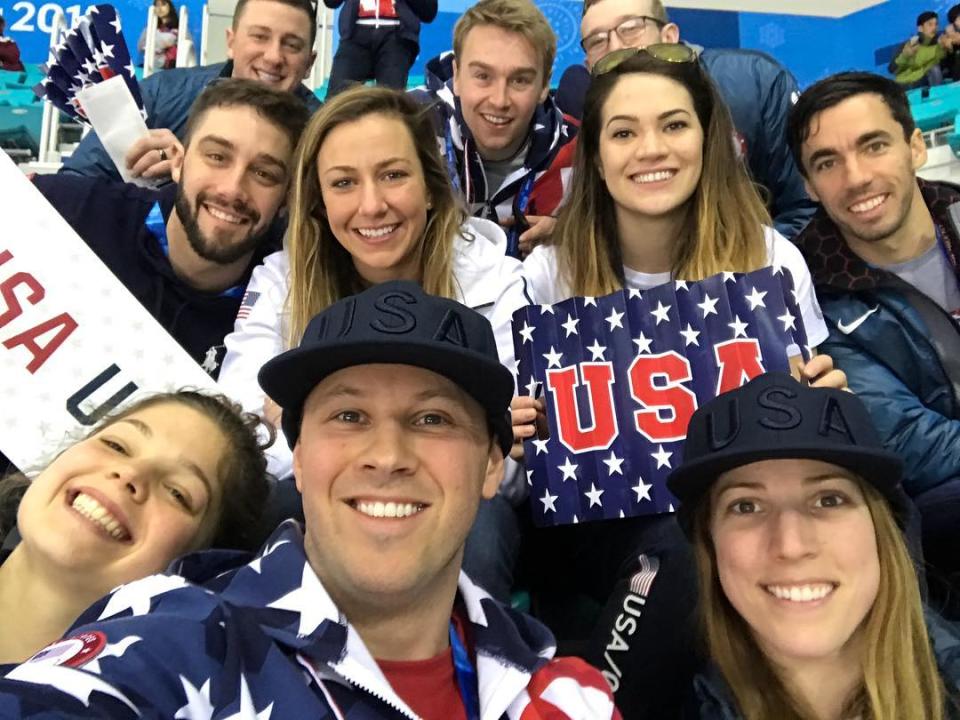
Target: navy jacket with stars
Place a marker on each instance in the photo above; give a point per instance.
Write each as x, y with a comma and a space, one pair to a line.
109, 217
264, 639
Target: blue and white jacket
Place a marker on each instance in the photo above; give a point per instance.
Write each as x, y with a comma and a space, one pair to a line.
264, 639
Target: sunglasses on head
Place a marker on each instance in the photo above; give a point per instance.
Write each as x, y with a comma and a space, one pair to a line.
665, 52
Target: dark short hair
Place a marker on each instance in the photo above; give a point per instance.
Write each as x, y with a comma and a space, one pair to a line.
832, 91
953, 13
921, 18
283, 109
306, 6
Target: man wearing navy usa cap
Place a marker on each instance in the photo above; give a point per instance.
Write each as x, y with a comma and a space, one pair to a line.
396, 407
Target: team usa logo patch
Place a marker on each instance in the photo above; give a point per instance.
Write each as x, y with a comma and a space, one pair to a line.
72, 652
621, 375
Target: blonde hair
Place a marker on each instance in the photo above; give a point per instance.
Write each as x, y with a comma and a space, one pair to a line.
321, 270
515, 16
725, 217
900, 675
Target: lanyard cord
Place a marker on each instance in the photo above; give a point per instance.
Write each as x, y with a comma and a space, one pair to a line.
466, 676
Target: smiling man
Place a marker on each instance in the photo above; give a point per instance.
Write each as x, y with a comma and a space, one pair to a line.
883, 253
396, 407
271, 42
508, 147
186, 251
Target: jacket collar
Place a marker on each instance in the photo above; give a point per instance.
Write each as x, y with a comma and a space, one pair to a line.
279, 591
833, 263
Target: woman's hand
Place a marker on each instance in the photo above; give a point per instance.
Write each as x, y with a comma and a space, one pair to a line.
524, 411
820, 372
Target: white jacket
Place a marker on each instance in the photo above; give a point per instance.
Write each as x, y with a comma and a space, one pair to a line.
489, 282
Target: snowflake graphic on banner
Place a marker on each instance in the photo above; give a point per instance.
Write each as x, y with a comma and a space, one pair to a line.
622, 374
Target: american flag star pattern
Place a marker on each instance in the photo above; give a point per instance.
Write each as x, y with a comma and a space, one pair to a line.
620, 376
92, 51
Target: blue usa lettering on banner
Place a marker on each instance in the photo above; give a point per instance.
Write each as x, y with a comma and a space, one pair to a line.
622, 374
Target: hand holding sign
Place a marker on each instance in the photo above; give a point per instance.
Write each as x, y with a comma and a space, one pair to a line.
621, 375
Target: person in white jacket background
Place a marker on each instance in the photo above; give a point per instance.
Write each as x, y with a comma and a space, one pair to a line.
370, 202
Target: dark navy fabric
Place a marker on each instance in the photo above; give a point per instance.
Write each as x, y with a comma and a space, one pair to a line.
167, 98
109, 216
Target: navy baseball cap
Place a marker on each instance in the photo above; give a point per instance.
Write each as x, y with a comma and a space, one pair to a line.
395, 323
775, 417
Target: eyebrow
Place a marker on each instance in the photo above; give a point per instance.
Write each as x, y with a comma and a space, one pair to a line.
838, 474
260, 157
147, 432
662, 116
350, 391
267, 28
864, 139
528, 70
378, 166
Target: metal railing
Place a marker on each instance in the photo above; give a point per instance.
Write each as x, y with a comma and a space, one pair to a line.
50, 122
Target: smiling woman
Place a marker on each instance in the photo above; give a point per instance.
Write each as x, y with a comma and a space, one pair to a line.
173, 473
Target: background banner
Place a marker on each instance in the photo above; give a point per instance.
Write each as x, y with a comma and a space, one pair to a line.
74, 343
621, 375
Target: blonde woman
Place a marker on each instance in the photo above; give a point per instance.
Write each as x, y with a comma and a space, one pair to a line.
370, 202
809, 599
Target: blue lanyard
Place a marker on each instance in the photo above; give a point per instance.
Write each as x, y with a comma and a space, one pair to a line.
523, 199
158, 228
466, 676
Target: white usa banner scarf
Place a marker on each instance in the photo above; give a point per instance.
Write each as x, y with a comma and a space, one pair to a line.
74, 343
621, 375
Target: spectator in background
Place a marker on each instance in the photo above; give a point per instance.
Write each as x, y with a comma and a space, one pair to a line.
170, 474
883, 253
187, 251
379, 40
951, 64
271, 42
506, 144
918, 62
756, 88
167, 36
9, 52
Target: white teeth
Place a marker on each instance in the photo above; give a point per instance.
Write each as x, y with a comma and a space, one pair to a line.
223, 215
95, 512
389, 509
654, 176
496, 119
868, 205
268, 77
377, 232
800, 593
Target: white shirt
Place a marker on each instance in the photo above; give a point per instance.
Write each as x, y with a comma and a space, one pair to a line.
488, 281
548, 287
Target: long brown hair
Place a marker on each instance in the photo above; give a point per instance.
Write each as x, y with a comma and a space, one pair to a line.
724, 227
900, 675
321, 270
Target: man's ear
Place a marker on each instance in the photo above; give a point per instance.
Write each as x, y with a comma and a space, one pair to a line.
670, 33
297, 467
544, 92
176, 165
918, 149
230, 36
456, 77
494, 474
810, 191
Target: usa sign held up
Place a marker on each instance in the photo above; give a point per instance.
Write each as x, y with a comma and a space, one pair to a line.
621, 375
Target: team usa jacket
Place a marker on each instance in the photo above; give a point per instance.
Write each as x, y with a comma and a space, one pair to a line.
264, 640
549, 160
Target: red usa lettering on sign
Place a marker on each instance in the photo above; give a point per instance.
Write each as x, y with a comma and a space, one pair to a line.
658, 385
43, 338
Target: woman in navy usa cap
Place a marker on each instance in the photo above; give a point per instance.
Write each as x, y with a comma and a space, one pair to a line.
810, 601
